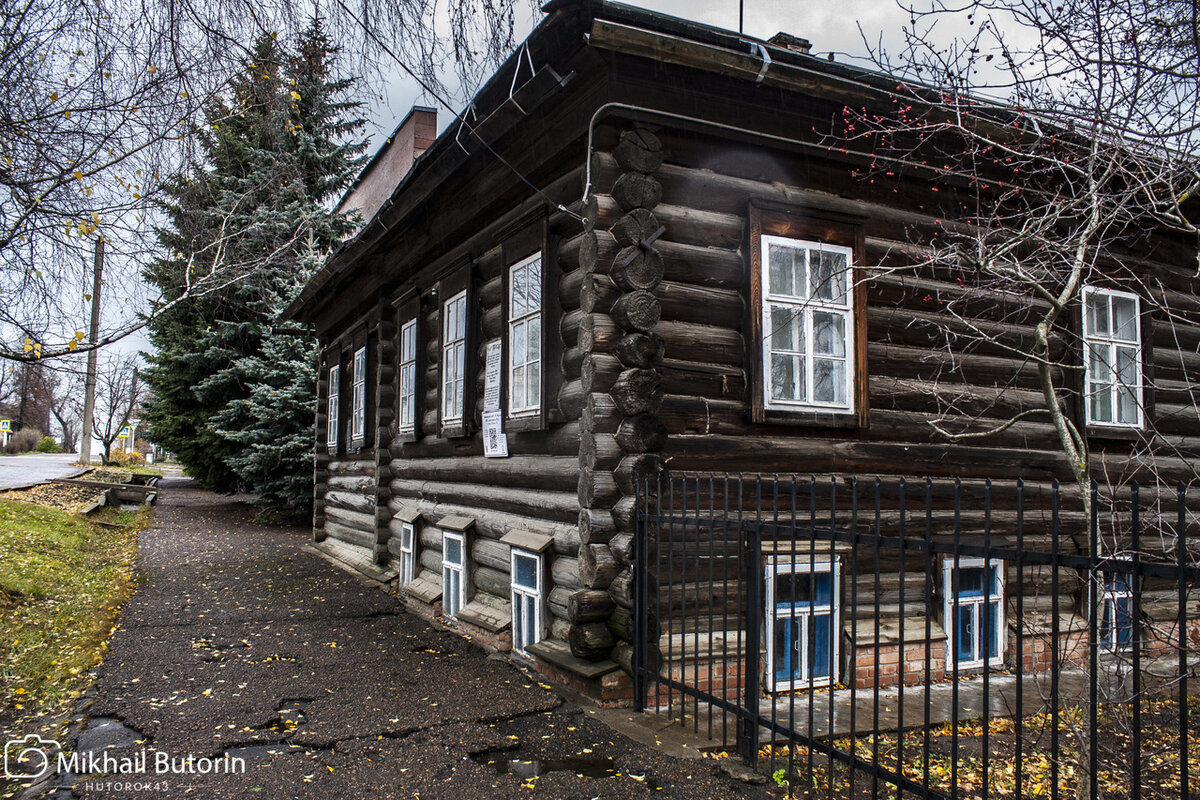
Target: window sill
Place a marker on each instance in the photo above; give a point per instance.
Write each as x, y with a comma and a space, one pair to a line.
848, 420
455, 431
1116, 433
406, 437
524, 423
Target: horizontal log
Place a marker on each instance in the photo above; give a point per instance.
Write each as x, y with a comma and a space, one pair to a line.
564, 572
351, 501
634, 228
556, 602
707, 344
641, 434
544, 504
352, 519
597, 566
491, 553
571, 398
489, 524
597, 488
352, 484
491, 292
703, 380
599, 451
701, 266
431, 559
637, 391
556, 473
492, 581
599, 371
636, 190
685, 302
640, 350
578, 253
600, 414
596, 526
591, 641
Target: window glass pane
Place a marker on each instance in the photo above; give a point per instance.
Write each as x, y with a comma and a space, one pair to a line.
518, 388
819, 632
995, 633
1127, 378
533, 384
1124, 619
452, 550
793, 588
520, 295
970, 581
1097, 314
1124, 318
526, 571
535, 338
787, 633
518, 343
533, 284
828, 275
406, 534
1099, 368
829, 381
787, 329
787, 381
785, 275
1101, 402
823, 588
965, 632
829, 334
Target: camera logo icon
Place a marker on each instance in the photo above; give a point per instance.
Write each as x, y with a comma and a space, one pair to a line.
28, 758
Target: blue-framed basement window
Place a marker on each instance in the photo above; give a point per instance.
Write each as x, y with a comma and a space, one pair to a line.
802, 617
1116, 612
974, 612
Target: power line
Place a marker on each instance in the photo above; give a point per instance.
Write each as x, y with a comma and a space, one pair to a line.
461, 117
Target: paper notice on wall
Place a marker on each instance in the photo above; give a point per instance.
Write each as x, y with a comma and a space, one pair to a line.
495, 441
491, 374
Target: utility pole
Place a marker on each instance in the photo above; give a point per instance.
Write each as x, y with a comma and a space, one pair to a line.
89, 382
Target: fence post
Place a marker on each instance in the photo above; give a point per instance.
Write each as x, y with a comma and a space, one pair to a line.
640, 611
752, 570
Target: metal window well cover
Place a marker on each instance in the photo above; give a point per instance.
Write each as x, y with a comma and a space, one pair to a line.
527, 540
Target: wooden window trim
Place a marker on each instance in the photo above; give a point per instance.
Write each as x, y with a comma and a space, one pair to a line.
358, 438
818, 225
410, 311
522, 241
449, 287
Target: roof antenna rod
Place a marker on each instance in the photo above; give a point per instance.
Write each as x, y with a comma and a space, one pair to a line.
741, 15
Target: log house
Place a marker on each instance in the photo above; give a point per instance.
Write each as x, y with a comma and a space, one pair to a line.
626, 296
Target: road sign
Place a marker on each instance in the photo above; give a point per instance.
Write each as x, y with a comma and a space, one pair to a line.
5, 424
124, 434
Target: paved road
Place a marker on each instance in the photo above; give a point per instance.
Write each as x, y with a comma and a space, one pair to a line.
18, 472
240, 641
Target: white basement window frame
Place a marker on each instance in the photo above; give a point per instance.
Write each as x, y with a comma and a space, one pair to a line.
454, 358
408, 553
407, 411
808, 325
527, 590
454, 559
973, 609
1112, 359
358, 410
803, 617
525, 337
332, 422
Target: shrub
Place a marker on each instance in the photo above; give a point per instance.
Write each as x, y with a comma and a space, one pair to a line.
123, 459
24, 440
47, 445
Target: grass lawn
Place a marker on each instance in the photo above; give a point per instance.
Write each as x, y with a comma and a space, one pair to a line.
63, 580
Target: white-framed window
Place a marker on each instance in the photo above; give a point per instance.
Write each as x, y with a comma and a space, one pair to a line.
358, 406
526, 599
407, 417
808, 325
408, 553
1116, 612
974, 612
1112, 341
803, 617
454, 356
331, 433
454, 559
525, 337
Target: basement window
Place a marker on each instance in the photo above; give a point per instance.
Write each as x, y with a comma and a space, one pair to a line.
408, 553
1116, 612
802, 615
974, 611
454, 547
526, 599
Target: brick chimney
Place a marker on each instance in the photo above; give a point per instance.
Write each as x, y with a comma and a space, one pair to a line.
787, 41
383, 173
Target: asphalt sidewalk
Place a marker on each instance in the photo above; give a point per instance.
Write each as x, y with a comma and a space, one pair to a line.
241, 642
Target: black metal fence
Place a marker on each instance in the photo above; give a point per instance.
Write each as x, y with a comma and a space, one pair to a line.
938, 640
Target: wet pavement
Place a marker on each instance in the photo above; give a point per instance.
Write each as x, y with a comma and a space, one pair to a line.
19, 472
240, 644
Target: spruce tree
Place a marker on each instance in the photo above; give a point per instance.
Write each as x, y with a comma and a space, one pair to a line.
234, 388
